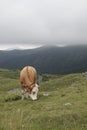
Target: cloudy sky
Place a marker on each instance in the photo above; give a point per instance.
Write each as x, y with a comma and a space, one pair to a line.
31, 23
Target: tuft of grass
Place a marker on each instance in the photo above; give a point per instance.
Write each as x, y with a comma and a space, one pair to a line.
12, 97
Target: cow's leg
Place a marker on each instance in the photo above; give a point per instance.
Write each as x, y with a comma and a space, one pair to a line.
27, 95
23, 94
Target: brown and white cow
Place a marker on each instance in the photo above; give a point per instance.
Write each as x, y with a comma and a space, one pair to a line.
28, 78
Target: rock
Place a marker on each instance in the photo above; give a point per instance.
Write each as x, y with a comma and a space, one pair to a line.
46, 94
67, 104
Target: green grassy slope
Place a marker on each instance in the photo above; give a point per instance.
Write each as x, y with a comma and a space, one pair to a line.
61, 104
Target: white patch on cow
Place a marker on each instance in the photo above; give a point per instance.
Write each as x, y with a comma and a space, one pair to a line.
34, 92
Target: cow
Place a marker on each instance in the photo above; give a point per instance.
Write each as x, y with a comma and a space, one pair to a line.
28, 79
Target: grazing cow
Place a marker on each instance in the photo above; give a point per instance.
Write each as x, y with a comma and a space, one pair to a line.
28, 78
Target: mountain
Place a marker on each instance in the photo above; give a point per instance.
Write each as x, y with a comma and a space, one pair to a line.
47, 59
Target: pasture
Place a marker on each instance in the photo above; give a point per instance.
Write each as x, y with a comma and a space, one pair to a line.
61, 104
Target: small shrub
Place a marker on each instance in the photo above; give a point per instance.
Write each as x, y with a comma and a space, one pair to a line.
12, 97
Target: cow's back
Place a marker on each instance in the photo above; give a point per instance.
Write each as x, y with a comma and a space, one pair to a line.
28, 75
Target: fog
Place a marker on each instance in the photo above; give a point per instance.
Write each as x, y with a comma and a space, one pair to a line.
31, 23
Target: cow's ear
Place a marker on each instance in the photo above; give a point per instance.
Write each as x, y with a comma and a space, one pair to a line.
37, 85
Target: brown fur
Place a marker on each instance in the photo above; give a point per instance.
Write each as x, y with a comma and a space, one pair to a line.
28, 77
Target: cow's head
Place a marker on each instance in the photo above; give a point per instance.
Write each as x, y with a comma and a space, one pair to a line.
34, 92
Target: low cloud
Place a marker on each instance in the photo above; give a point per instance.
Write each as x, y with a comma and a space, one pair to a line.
43, 22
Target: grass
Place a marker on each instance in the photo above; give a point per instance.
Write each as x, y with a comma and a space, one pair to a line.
64, 108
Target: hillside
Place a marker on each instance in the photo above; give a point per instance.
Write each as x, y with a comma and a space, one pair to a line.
61, 104
47, 59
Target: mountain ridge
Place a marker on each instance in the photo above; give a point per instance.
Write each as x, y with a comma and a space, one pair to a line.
47, 59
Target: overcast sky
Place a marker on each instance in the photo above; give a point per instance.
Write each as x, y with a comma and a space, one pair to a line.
31, 23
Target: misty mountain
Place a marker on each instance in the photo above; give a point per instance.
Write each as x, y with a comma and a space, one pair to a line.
47, 59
